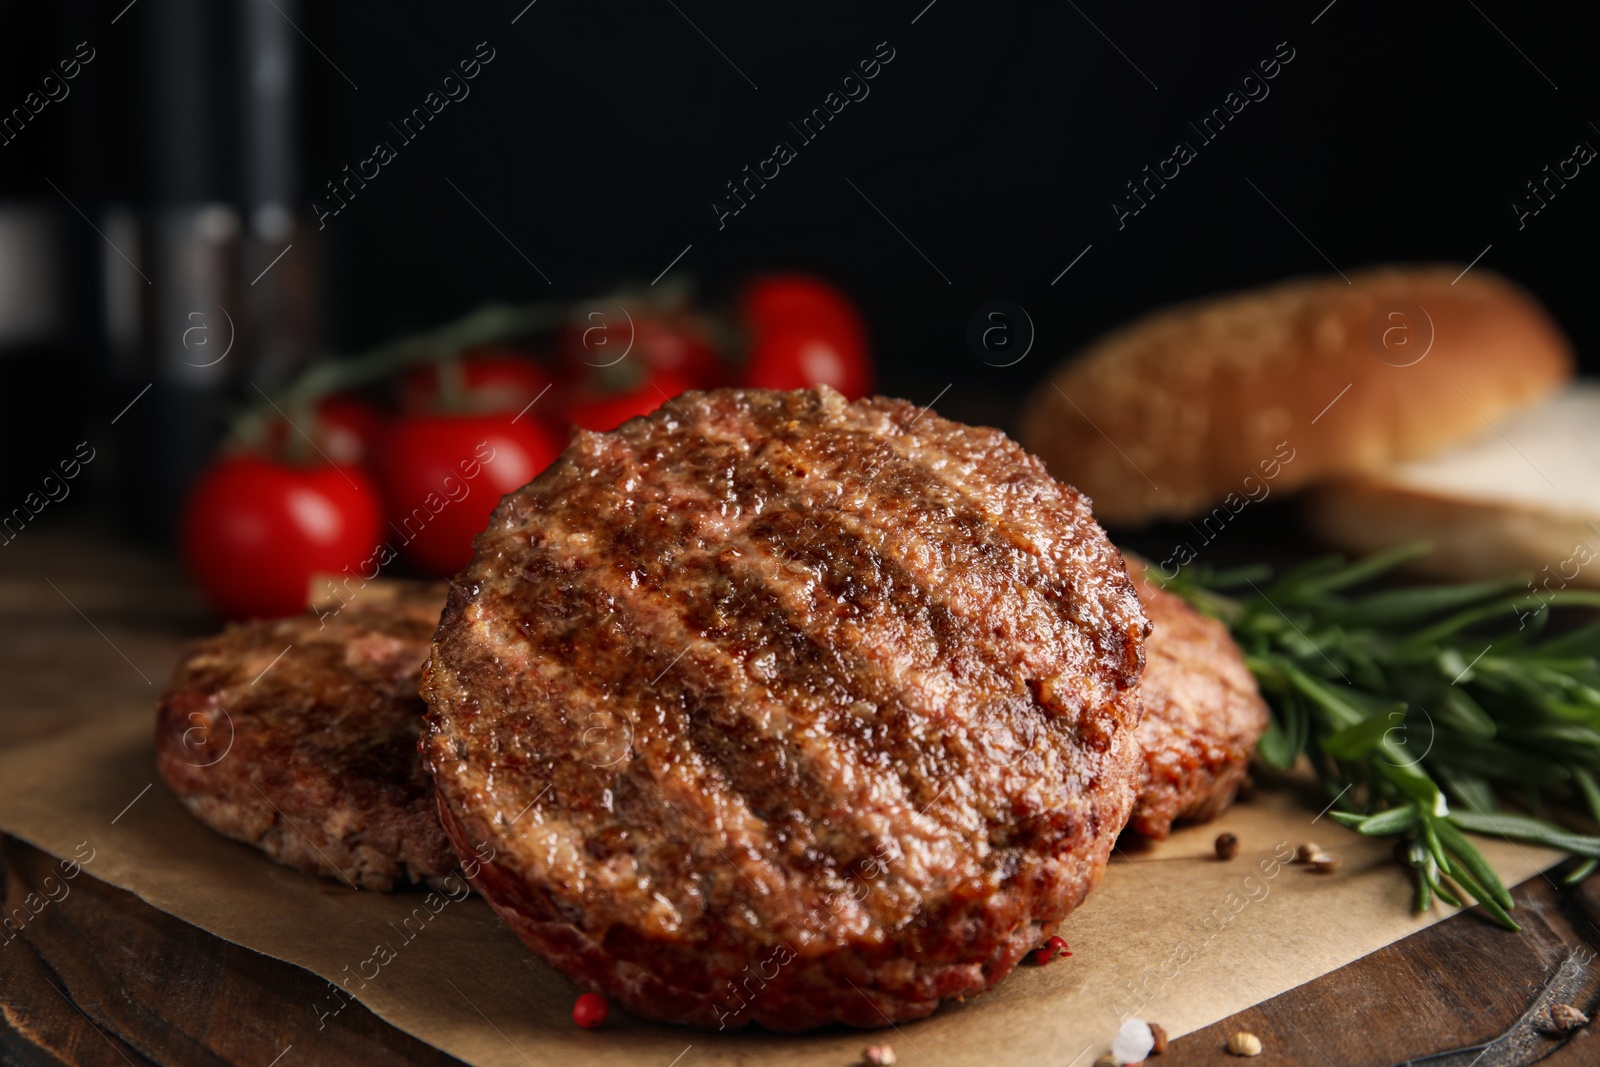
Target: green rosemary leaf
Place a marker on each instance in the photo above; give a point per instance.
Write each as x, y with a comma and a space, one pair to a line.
1340, 712
1267, 668
1564, 737
1367, 569
1356, 741
1348, 819
1436, 852
1364, 670
1499, 762
1580, 643
1522, 828
1485, 898
1417, 857
1408, 605
1368, 703
1580, 872
1465, 714
1470, 858
1444, 894
1520, 607
1588, 790
1469, 788
1408, 775
1292, 582
1424, 894
1387, 823
1275, 748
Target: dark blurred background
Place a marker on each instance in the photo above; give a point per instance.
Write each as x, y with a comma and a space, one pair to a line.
186, 150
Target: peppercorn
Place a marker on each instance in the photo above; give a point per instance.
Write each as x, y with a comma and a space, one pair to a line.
590, 1010
1244, 1043
1050, 950
1325, 862
1305, 850
1564, 1019
1227, 846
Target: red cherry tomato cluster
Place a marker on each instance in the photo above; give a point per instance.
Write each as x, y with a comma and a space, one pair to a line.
354, 484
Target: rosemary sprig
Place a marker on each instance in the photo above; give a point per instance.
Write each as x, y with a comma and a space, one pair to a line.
1423, 709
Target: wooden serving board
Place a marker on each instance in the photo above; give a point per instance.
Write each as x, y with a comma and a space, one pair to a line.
170, 993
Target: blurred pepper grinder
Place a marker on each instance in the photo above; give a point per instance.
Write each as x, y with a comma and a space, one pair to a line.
222, 310
46, 322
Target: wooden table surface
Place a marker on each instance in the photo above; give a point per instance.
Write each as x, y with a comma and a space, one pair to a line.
103, 978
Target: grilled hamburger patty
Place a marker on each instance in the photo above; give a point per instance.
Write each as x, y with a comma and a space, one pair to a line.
776, 708
299, 736
1202, 713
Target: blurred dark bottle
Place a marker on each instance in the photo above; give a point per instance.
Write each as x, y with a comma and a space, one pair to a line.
46, 325
153, 273
280, 253
222, 309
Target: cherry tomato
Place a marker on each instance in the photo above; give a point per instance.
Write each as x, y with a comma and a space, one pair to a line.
489, 380
442, 476
255, 531
601, 412
802, 359
345, 429
604, 337
775, 302
804, 332
589, 1011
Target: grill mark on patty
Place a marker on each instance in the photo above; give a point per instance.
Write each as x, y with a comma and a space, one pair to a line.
754, 786
867, 591
717, 733
981, 497
962, 541
875, 571
869, 794
916, 481
969, 548
965, 725
675, 696
974, 499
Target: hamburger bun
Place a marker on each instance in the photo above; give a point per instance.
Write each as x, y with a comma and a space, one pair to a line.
1524, 496
1168, 416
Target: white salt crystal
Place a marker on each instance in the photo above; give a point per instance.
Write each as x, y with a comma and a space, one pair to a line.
1133, 1042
